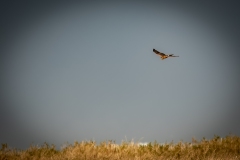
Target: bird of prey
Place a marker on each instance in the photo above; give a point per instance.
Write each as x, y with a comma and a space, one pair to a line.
162, 55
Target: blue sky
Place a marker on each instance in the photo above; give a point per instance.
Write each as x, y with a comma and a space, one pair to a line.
86, 71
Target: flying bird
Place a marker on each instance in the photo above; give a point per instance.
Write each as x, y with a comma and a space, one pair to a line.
162, 55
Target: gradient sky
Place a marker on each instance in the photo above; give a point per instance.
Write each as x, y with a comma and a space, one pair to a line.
86, 71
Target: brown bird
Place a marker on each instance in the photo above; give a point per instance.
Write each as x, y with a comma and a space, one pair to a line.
162, 55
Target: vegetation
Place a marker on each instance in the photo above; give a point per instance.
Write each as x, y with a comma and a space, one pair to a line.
216, 148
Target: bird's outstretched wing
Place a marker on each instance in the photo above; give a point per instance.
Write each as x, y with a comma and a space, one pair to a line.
159, 53
171, 55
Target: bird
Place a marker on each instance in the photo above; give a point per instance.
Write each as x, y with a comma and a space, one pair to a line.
162, 55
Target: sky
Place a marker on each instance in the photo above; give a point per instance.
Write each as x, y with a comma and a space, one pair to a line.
77, 71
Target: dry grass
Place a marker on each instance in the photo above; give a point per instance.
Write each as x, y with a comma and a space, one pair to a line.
216, 148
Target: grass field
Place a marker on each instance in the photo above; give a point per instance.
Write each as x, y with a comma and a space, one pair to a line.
217, 148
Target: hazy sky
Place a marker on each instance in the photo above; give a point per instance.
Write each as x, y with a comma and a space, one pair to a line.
86, 71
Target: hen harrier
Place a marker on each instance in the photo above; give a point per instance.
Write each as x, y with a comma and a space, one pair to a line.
162, 55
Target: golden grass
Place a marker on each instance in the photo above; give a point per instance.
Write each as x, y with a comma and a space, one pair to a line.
217, 148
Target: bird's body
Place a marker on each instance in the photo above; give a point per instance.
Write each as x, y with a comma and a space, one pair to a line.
162, 55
